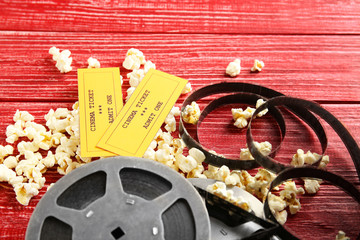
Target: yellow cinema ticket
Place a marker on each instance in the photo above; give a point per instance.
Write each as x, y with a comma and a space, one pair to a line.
142, 116
100, 101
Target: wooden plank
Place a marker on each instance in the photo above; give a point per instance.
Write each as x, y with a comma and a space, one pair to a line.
204, 16
322, 68
318, 212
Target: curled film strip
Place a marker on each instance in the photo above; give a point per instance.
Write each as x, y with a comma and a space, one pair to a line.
247, 93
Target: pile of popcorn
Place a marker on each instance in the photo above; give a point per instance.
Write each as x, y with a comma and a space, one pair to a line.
24, 170
241, 117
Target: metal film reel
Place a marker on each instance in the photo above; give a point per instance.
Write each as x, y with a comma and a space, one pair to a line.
120, 198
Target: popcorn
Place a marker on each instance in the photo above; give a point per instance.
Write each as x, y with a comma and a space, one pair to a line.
289, 196
191, 113
260, 184
13, 132
170, 122
260, 102
281, 217
129, 92
222, 173
134, 58
241, 116
258, 65
234, 68
135, 77
93, 63
311, 186
149, 65
219, 189
197, 172
186, 164
63, 59
187, 88
276, 203
5, 151
264, 148
6, 174
211, 171
27, 146
11, 162
341, 236
198, 155
23, 116
150, 154
25, 191
49, 160
300, 158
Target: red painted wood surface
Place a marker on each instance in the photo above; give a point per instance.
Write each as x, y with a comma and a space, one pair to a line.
311, 50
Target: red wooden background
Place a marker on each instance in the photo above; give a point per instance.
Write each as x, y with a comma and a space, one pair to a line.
311, 50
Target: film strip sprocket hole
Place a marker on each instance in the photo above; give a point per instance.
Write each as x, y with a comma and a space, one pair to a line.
244, 92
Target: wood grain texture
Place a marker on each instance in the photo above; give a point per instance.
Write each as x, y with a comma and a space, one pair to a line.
319, 212
201, 16
311, 50
322, 68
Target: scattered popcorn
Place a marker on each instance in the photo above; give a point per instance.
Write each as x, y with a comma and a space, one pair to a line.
311, 186
276, 203
289, 196
260, 185
23, 116
93, 63
13, 132
149, 65
259, 102
134, 58
170, 122
264, 147
258, 65
222, 173
135, 77
186, 164
187, 88
242, 117
150, 154
234, 68
63, 59
341, 236
129, 92
11, 162
211, 171
219, 189
197, 172
300, 158
5, 151
6, 174
281, 217
191, 113
25, 191
198, 155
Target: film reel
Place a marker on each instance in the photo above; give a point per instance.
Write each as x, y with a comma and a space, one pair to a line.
120, 198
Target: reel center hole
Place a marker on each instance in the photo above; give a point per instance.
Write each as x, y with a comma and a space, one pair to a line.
117, 233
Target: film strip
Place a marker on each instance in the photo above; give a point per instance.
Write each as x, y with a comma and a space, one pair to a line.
305, 110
